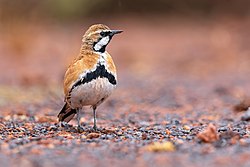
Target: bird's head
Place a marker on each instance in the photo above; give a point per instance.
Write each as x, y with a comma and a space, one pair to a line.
98, 37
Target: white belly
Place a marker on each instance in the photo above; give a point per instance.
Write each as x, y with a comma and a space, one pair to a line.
91, 93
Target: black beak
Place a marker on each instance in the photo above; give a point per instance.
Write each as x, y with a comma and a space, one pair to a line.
113, 32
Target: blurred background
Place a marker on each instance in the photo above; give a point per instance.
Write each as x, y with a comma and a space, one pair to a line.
182, 65
163, 40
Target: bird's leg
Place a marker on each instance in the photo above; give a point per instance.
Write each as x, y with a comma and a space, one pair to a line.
78, 117
94, 113
79, 128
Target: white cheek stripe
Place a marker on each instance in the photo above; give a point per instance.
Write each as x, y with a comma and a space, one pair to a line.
104, 41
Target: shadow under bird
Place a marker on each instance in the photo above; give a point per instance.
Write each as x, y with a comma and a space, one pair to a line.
91, 77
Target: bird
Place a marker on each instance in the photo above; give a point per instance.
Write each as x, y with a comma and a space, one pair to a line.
91, 77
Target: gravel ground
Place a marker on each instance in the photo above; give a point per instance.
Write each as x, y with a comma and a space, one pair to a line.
138, 131
174, 109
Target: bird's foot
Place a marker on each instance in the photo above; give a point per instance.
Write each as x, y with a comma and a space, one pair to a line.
64, 125
80, 129
95, 129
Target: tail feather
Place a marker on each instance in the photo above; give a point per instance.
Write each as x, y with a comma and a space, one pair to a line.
66, 114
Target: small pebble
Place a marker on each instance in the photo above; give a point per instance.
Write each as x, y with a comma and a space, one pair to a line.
246, 116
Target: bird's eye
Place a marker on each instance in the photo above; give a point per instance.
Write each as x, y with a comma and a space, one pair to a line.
102, 33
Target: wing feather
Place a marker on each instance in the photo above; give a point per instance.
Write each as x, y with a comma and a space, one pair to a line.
79, 66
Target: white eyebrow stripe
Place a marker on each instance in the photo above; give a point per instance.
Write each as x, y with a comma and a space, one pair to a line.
95, 32
99, 31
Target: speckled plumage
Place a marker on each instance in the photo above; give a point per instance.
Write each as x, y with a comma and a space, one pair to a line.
82, 91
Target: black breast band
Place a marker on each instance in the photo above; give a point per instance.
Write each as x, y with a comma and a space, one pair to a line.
99, 72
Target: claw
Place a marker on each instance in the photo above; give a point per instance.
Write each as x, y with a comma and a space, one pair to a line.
80, 129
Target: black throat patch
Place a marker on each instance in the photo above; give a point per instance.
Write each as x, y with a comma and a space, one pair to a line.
99, 72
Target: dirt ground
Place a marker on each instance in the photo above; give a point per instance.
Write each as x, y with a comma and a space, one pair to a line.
182, 97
